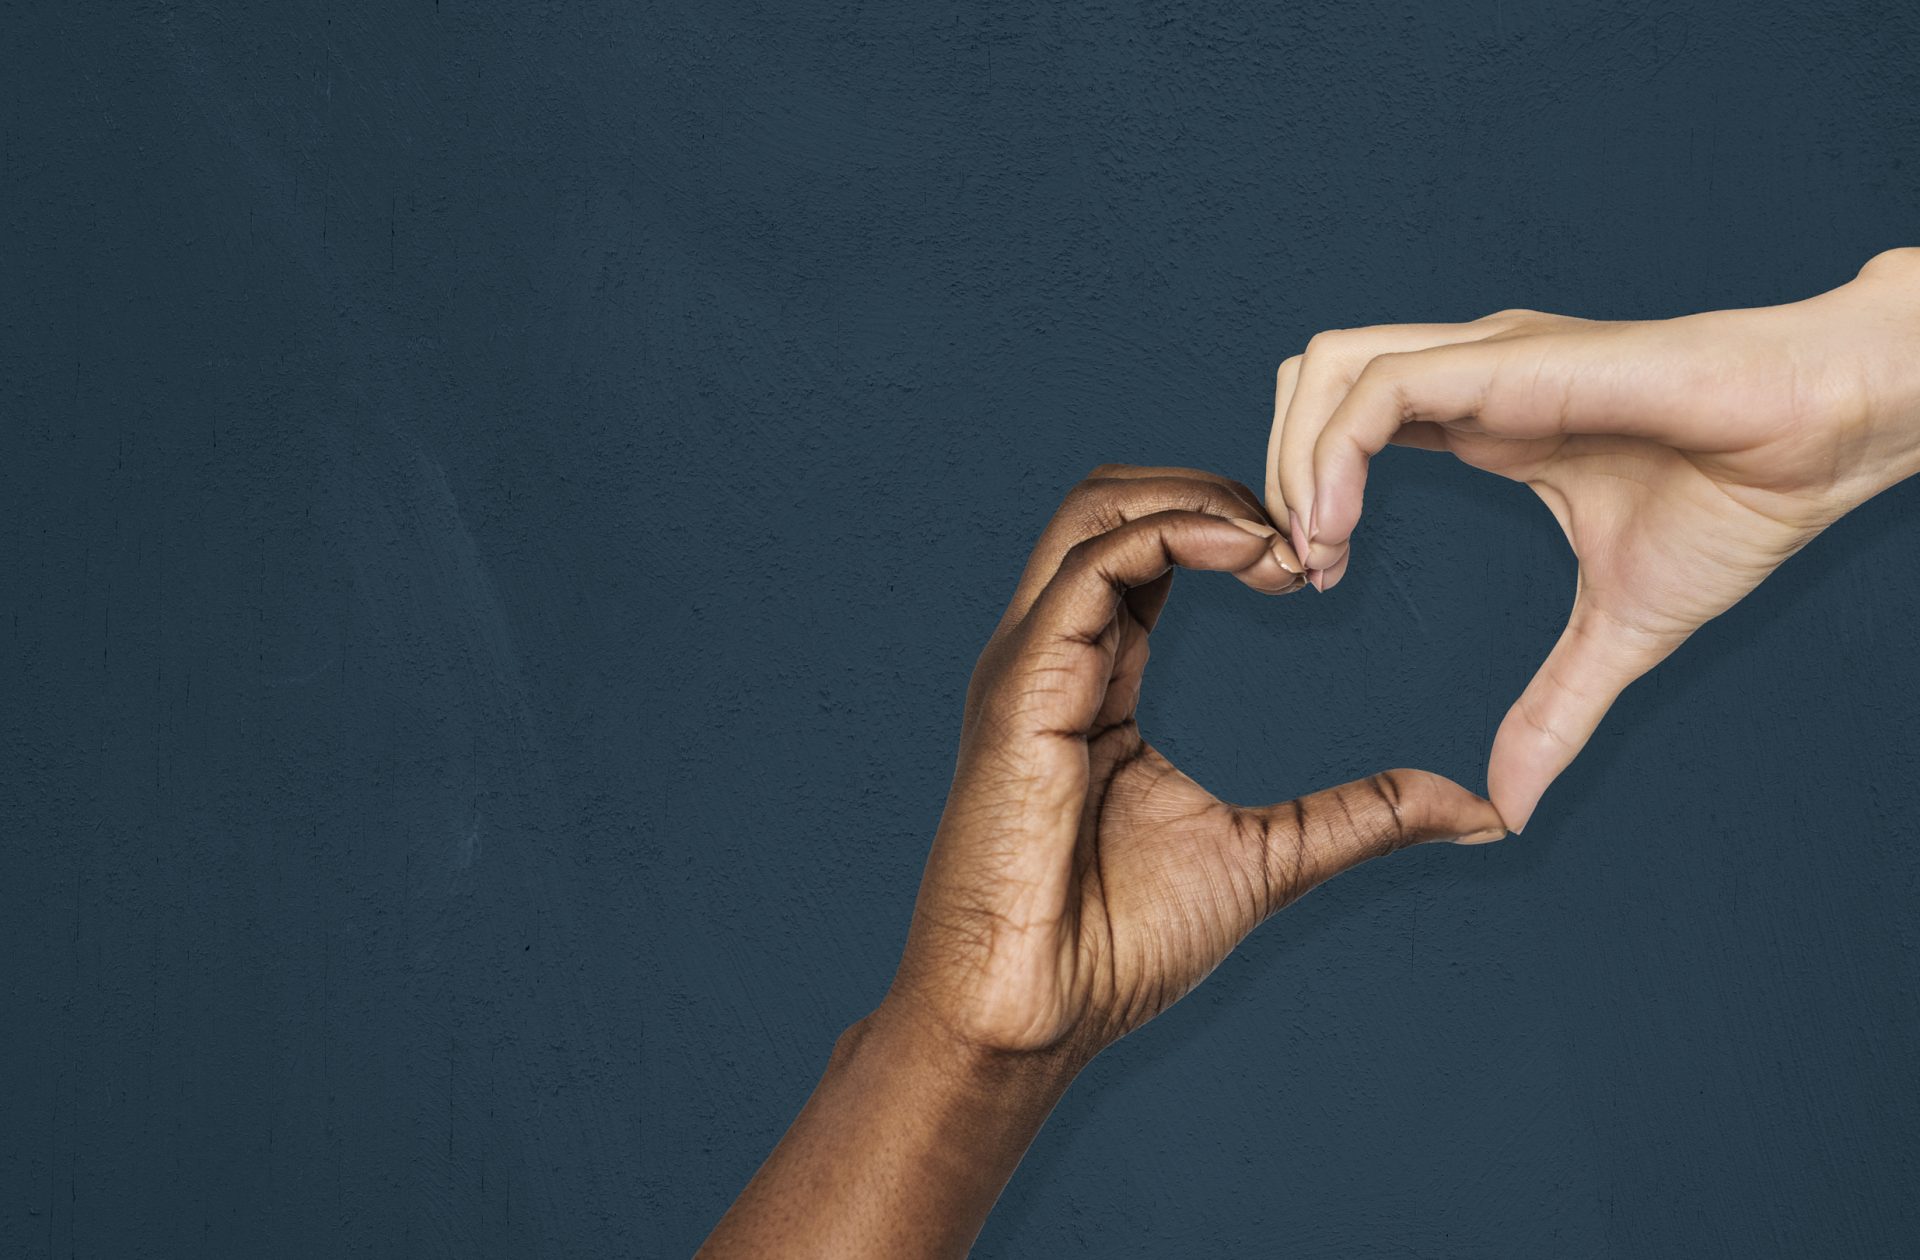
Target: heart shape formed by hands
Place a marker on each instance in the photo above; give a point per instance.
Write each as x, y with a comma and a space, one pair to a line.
1080, 883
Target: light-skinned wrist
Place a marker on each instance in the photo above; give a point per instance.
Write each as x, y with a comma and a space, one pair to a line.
1878, 320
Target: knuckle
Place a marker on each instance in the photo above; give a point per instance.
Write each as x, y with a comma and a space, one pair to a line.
1330, 343
1089, 507
1280, 870
1392, 363
1397, 829
1382, 371
1904, 261
1091, 489
1384, 380
1545, 727
1387, 783
1421, 803
1082, 557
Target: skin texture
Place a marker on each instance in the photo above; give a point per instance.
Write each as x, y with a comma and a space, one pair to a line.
1684, 459
1079, 885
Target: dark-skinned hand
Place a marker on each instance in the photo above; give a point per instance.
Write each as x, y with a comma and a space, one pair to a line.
1079, 884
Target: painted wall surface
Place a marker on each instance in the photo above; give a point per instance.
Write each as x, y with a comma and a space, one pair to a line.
498, 504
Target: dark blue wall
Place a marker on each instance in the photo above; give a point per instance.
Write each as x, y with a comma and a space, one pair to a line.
497, 510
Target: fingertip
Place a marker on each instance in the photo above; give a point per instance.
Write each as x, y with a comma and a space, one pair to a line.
1337, 570
1541, 736
1480, 822
1325, 577
1323, 551
1276, 571
1434, 807
1514, 788
1270, 577
1337, 490
1285, 556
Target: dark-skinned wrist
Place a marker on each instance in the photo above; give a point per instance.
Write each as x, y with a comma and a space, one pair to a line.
977, 1093
913, 1132
902, 1149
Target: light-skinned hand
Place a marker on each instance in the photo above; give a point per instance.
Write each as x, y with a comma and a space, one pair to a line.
1684, 459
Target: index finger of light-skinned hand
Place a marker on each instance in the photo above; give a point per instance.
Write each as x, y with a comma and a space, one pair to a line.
1285, 378
1316, 837
1060, 660
1334, 360
1539, 386
1438, 384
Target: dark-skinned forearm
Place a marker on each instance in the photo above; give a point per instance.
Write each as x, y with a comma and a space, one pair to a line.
902, 1149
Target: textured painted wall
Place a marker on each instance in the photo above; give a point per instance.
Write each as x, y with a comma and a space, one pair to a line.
498, 504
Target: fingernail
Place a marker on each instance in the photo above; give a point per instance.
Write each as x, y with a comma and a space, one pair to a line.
1483, 837
1275, 548
1313, 524
1299, 535
1318, 577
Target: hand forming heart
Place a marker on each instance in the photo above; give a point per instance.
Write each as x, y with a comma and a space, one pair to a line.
1684, 459
1080, 883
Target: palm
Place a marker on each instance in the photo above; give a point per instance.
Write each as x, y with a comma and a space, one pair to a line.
1163, 881
1169, 879
1666, 541
1080, 883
